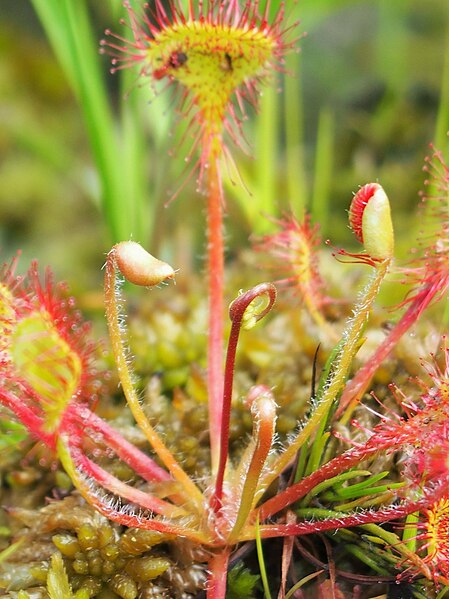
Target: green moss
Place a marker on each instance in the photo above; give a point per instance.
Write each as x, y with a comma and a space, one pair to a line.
242, 584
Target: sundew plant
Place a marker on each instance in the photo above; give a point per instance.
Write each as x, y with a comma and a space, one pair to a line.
354, 487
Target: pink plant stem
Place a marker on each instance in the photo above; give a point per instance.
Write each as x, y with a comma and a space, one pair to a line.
336, 466
339, 372
218, 569
215, 267
111, 509
236, 313
216, 500
142, 464
192, 492
358, 385
344, 521
287, 555
264, 416
119, 488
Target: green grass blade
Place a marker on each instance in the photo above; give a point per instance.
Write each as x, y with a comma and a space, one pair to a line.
302, 582
133, 118
69, 30
267, 154
411, 531
442, 123
297, 192
392, 42
324, 162
99, 121
260, 557
50, 14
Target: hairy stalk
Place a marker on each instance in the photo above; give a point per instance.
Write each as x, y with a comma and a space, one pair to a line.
119, 488
236, 312
110, 506
218, 569
339, 372
333, 468
358, 385
142, 464
215, 268
264, 412
395, 512
191, 491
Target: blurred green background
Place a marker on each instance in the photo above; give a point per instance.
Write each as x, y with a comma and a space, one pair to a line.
85, 156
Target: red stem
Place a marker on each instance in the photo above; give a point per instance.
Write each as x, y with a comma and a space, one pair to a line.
358, 385
142, 464
218, 569
136, 520
236, 313
215, 267
344, 521
106, 480
332, 468
216, 500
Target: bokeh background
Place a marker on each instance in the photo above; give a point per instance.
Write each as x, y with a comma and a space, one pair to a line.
363, 99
